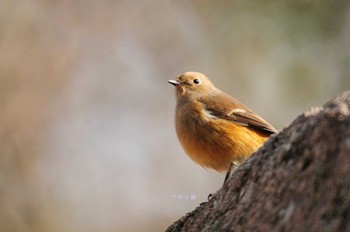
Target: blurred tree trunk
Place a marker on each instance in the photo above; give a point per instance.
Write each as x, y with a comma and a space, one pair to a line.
299, 180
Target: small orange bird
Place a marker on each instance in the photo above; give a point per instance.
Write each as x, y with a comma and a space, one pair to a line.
214, 129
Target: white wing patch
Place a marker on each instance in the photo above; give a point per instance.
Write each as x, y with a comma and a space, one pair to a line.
208, 114
238, 111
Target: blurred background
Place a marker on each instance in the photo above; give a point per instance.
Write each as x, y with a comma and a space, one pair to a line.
87, 140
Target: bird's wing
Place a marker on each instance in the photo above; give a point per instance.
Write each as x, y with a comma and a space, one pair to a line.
225, 107
252, 120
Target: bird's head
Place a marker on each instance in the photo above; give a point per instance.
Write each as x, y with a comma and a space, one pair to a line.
192, 84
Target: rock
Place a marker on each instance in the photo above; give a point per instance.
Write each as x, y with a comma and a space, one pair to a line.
298, 181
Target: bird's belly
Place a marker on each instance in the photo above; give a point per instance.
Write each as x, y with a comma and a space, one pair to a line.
218, 142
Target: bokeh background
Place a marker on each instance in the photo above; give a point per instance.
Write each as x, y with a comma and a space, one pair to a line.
87, 141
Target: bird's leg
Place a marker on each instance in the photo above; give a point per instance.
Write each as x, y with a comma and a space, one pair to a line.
231, 169
209, 196
228, 173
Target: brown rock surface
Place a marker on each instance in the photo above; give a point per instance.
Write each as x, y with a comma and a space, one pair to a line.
298, 181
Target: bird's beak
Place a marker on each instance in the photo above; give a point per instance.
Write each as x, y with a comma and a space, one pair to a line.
173, 82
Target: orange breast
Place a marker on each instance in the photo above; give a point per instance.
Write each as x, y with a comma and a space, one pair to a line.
215, 143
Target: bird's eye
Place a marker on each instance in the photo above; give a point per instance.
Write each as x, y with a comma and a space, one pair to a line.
196, 81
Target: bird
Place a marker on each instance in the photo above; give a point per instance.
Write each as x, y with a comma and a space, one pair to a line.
215, 130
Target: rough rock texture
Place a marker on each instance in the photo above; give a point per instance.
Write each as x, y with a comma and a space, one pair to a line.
298, 181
